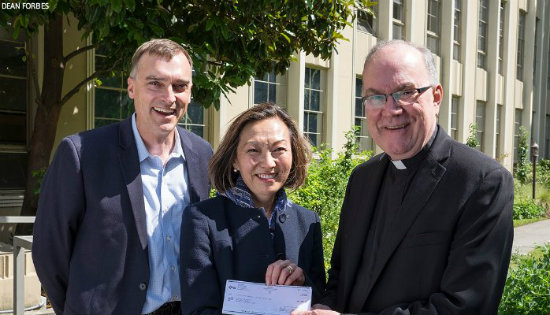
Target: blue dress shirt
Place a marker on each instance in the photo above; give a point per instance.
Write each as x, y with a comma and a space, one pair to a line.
166, 194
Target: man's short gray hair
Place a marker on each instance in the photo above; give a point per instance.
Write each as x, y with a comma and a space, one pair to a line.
428, 57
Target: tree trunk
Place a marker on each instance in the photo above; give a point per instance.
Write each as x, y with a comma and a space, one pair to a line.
47, 116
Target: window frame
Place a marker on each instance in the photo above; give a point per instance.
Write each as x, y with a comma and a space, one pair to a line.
362, 135
398, 22
480, 124
433, 19
457, 30
483, 24
366, 22
280, 82
319, 132
501, 22
521, 45
455, 105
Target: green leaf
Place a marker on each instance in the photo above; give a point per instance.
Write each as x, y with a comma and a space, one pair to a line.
116, 5
209, 24
130, 5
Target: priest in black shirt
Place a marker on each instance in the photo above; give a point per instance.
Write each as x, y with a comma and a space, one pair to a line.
426, 227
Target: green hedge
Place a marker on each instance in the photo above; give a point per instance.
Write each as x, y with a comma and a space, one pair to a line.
528, 209
325, 186
527, 289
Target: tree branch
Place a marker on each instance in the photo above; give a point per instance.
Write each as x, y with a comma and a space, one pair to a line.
214, 63
34, 75
77, 88
76, 52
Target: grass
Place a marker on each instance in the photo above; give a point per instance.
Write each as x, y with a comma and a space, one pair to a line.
525, 191
518, 223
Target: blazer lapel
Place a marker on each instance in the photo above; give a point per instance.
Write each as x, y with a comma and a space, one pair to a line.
420, 190
193, 169
358, 228
129, 164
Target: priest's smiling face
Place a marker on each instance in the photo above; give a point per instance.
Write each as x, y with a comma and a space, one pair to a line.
401, 130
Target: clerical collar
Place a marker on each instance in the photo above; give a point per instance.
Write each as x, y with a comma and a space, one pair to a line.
413, 161
399, 165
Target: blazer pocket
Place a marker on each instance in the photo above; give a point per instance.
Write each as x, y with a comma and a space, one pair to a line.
425, 239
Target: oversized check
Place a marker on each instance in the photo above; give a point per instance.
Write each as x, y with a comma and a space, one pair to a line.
259, 299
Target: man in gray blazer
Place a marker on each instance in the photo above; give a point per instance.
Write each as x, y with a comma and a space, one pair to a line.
426, 227
107, 231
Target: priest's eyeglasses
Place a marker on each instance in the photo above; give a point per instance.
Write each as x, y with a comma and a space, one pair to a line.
405, 97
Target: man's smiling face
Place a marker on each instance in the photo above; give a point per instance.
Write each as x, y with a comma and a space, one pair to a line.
401, 131
161, 91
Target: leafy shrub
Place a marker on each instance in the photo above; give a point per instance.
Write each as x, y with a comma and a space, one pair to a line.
472, 139
523, 166
325, 186
528, 284
543, 173
528, 209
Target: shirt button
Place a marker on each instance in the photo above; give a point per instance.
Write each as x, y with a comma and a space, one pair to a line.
143, 286
173, 268
175, 298
168, 238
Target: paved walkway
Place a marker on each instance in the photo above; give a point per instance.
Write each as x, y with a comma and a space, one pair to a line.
526, 237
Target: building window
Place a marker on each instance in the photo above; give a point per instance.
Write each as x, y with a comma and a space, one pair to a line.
398, 19
363, 139
482, 33
455, 103
366, 22
313, 113
480, 124
517, 125
432, 34
271, 88
457, 29
498, 152
13, 91
501, 38
13, 111
521, 44
112, 103
111, 100
194, 119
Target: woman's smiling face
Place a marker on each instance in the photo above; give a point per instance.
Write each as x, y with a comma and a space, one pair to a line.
264, 159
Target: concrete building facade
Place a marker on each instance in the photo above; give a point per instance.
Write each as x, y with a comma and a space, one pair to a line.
493, 59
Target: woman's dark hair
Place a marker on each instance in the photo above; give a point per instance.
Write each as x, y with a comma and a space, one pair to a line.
220, 169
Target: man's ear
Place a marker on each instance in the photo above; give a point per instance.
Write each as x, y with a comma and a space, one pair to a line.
130, 87
438, 94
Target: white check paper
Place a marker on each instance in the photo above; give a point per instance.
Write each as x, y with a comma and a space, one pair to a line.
259, 299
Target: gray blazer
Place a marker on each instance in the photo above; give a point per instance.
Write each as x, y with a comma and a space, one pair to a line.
221, 241
90, 238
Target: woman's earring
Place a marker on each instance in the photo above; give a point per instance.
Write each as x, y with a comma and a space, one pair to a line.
234, 170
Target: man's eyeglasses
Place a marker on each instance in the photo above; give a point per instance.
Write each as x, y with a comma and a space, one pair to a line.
405, 97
